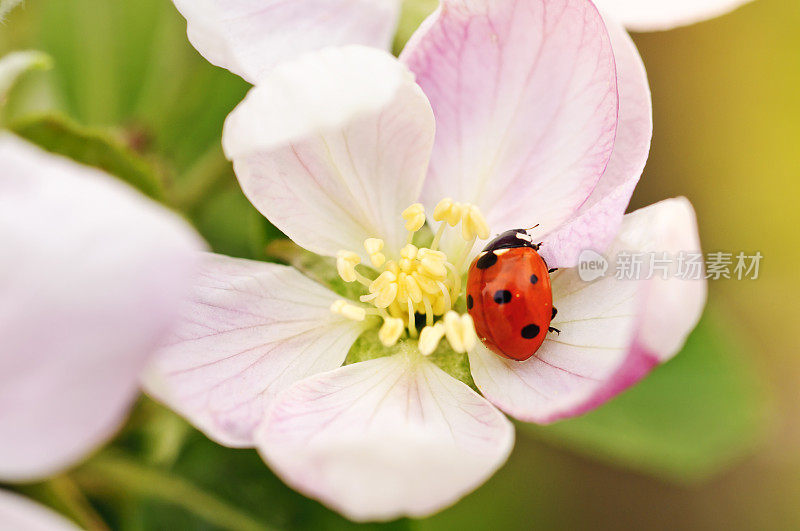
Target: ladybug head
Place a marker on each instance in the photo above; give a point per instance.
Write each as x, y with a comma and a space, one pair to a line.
510, 239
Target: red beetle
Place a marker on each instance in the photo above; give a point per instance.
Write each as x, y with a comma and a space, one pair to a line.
509, 296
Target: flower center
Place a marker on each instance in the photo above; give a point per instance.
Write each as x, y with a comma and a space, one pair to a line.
420, 286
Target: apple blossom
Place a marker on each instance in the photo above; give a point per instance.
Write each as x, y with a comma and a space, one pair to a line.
653, 15
250, 37
91, 277
21, 514
483, 123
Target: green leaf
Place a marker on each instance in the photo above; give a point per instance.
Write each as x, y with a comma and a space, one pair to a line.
691, 418
90, 147
126, 65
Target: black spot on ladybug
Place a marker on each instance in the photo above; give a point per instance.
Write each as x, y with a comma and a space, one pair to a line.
555, 312
530, 331
486, 261
534, 279
470, 302
502, 296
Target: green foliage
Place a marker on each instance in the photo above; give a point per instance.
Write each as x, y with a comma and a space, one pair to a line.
125, 67
207, 487
232, 226
15, 64
686, 421
91, 147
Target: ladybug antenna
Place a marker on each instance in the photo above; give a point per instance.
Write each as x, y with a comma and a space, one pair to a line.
533, 227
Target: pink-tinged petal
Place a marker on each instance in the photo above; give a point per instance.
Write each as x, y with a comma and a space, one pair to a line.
21, 514
598, 220
385, 438
250, 37
613, 331
654, 15
331, 148
249, 330
91, 277
525, 97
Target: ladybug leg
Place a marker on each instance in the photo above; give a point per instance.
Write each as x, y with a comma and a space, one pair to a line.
553, 329
551, 271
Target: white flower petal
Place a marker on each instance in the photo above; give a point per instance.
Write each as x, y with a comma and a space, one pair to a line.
525, 97
250, 330
385, 438
653, 15
21, 514
332, 148
597, 222
91, 277
249, 37
613, 332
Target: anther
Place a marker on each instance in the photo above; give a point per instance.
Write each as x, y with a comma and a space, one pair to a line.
374, 246
430, 337
384, 288
473, 224
391, 331
346, 263
409, 252
449, 211
460, 331
427, 284
415, 217
413, 289
433, 267
350, 311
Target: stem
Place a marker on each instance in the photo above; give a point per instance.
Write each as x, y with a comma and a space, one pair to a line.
210, 170
70, 495
438, 237
465, 253
412, 327
113, 472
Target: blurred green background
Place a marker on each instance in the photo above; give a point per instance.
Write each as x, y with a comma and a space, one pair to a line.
709, 441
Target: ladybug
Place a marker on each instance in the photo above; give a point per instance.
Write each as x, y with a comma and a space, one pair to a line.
509, 296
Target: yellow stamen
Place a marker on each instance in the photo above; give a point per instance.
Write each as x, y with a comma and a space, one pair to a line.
473, 224
412, 326
374, 246
460, 331
418, 280
391, 331
350, 311
430, 337
415, 217
346, 263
